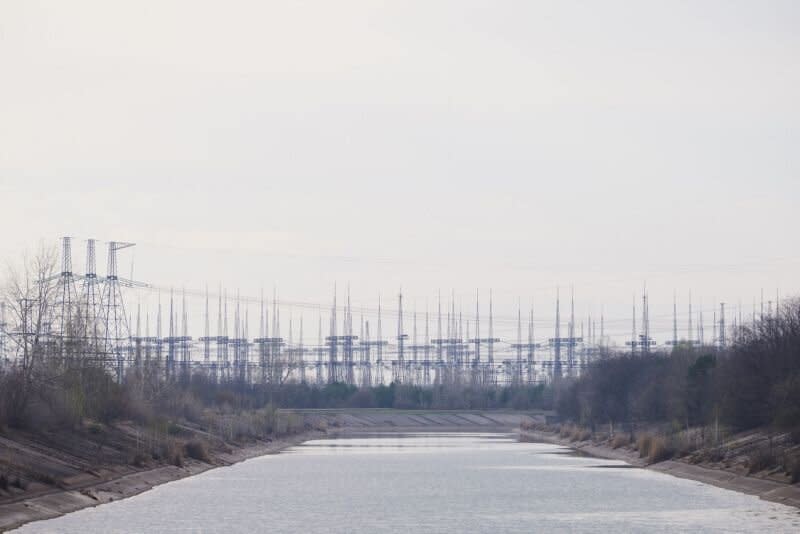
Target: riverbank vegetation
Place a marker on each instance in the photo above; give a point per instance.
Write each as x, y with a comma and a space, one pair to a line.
65, 396
692, 401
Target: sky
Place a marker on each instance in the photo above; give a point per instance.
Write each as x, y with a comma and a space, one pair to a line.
448, 146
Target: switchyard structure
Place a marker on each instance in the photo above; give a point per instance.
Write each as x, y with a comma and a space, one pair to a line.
88, 321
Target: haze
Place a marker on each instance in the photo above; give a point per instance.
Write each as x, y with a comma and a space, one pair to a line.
513, 145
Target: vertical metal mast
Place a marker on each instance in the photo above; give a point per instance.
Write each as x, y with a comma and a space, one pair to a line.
645, 323
477, 329
246, 344
739, 323
116, 329
557, 358
438, 340
332, 343
138, 339
320, 351
602, 325
300, 359
225, 338
92, 310
701, 334
414, 341
458, 346
65, 302
379, 359
171, 339
633, 328
185, 339
206, 337
518, 369
714, 340
690, 332
400, 339
531, 348
348, 341
571, 332
426, 379
220, 334
674, 319
490, 355
159, 335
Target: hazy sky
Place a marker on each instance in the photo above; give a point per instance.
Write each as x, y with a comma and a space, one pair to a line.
436, 144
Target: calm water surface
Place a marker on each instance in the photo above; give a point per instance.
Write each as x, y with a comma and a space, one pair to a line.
430, 483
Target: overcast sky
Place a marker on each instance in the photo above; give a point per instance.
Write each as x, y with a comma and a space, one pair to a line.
433, 144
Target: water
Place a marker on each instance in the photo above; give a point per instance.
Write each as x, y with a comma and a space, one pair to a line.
430, 483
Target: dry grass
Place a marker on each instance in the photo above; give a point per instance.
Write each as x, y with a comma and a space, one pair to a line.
643, 444
171, 453
527, 425
660, 450
620, 440
760, 460
792, 468
655, 448
198, 450
321, 425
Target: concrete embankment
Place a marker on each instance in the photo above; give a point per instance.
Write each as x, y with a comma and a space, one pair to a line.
100, 487
75, 481
769, 490
386, 420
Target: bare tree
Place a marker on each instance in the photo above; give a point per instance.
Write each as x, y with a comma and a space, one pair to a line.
28, 301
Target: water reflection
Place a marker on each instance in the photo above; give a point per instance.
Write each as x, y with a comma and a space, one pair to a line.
448, 482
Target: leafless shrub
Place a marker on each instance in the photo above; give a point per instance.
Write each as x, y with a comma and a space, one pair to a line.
643, 444
139, 460
198, 450
760, 460
620, 440
660, 450
527, 425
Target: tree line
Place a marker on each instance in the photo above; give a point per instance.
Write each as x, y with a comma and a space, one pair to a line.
754, 382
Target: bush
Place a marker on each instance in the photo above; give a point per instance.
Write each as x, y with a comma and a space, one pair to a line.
660, 450
321, 425
170, 453
717, 454
620, 440
579, 434
19, 483
139, 459
3, 482
198, 450
793, 470
527, 425
760, 460
643, 444
654, 448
